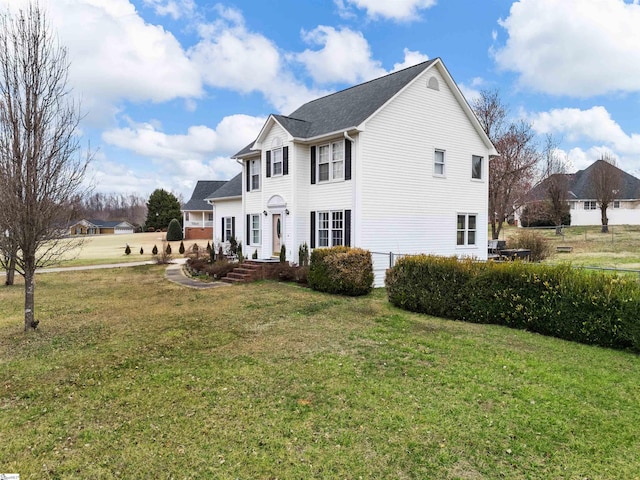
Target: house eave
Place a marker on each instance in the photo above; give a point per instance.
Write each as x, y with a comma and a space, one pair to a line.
335, 133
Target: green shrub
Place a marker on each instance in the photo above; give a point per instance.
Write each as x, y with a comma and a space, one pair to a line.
534, 241
155, 250
283, 253
285, 272
240, 254
127, 251
174, 231
341, 270
141, 251
215, 270
168, 250
255, 254
208, 247
181, 248
560, 301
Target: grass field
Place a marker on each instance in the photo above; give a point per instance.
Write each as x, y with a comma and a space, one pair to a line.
131, 376
101, 249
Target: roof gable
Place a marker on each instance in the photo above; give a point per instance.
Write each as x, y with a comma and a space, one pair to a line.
203, 189
350, 108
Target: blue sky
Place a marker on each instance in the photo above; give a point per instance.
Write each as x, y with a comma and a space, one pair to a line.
172, 88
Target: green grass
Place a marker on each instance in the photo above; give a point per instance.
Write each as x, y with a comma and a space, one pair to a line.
130, 376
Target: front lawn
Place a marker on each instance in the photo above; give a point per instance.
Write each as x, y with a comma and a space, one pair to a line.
131, 376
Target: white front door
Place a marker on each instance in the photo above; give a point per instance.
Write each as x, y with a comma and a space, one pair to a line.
277, 233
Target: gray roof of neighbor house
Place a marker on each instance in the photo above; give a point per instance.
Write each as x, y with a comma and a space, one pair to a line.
107, 223
346, 108
233, 188
579, 184
204, 188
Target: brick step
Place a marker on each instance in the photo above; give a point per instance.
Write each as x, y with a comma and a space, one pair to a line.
238, 276
247, 272
232, 280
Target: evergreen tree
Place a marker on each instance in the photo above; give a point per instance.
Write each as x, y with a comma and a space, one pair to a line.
161, 208
174, 232
155, 250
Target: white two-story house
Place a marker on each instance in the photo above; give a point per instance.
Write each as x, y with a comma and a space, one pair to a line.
397, 164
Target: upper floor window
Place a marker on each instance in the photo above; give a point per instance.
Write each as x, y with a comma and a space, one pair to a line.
438, 163
254, 175
590, 205
276, 161
466, 229
476, 167
331, 162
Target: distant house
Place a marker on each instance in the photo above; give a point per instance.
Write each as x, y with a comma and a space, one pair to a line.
397, 164
226, 203
197, 213
583, 206
100, 227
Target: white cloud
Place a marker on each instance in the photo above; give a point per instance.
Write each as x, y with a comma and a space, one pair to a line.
400, 10
199, 143
573, 47
115, 55
230, 56
345, 56
593, 125
411, 58
174, 8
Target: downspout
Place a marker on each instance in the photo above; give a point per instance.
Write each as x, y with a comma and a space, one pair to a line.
346, 135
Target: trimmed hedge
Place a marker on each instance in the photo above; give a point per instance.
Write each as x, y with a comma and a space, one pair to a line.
341, 270
560, 301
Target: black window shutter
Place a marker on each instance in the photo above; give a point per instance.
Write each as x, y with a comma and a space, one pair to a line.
222, 231
313, 228
347, 228
233, 226
285, 160
248, 230
313, 165
248, 170
347, 159
268, 163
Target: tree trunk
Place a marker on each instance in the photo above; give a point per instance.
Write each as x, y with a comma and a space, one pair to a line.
605, 220
29, 299
11, 269
494, 232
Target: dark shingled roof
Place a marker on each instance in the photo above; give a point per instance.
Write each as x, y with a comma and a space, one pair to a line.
106, 223
233, 188
246, 150
346, 108
579, 185
204, 189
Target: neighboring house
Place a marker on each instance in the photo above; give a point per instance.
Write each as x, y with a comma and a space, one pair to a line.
197, 214
226, 203
583, 206
397, 164
100, 227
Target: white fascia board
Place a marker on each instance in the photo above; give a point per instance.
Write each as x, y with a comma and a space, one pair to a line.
336, 133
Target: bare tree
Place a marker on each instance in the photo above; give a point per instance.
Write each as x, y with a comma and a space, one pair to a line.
41, 166
605, 184
511, 173
554, 176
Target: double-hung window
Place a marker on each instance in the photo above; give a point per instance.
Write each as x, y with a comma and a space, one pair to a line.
330, 228
227, 232
616, 204
476, 167
276, 161
255, 229
466, 229
590, 205
331, 162
438, 163
254, 172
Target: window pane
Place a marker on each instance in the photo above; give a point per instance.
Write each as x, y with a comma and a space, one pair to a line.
461, 222
323, 238
338, 170
255, 182
337, 219
323, 172
476, 167
323, 220
337, 151
460, 239
336, 237
472, 222
471, 237
323, 154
